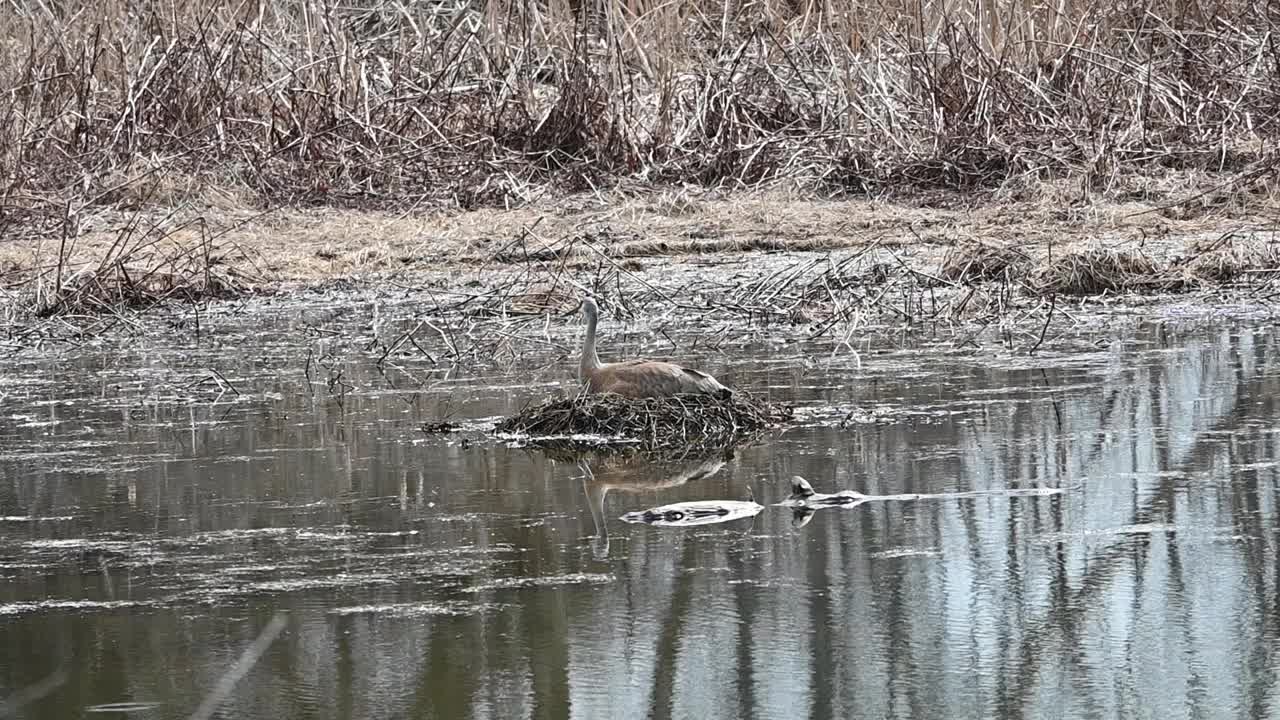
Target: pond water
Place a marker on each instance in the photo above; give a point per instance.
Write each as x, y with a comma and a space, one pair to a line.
254, 517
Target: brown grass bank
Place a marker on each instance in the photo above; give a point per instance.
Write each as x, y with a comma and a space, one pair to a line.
670, 240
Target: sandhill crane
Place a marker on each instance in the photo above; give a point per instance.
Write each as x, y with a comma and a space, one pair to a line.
638, 378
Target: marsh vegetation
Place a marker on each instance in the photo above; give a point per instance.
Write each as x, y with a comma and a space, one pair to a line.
402, 103
172, 149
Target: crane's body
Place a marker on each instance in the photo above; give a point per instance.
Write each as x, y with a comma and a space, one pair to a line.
638, 378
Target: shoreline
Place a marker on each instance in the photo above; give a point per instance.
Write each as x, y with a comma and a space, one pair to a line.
287, 250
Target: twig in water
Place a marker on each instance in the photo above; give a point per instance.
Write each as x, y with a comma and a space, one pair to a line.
430, 358
1053, 301
663, 332
447, 338
400, 341
223, 382
1057, 412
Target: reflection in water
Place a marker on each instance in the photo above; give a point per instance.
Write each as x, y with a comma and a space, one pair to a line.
634, 474
805, 501
698, 512
145, 544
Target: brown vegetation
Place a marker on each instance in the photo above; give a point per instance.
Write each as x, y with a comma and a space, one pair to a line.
1098, 269
139, 265
976, 261
387, 104
1231, 257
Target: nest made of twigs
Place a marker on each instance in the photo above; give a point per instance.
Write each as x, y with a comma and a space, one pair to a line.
679, 421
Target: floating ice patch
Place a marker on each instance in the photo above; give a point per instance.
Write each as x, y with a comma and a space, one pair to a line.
906, 552
85, 543
122, 707
415, 609
1136, 529
545, 581
1257, 465
22, 608
519, 440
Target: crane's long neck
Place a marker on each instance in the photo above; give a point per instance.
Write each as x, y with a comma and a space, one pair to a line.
590, 360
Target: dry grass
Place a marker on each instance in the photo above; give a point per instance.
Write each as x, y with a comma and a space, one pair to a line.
1098, 269
545, 299
407, 105
679, 422
1229, 257
977, 261
139, 265
293, 245
533, 261
116, 287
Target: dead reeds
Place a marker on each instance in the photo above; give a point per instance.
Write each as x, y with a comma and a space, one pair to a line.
115, 287
1230, 258
678, 422
146, 264
971, 262
385, 104
1097, 269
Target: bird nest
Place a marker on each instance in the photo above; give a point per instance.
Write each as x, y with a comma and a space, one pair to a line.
666, 423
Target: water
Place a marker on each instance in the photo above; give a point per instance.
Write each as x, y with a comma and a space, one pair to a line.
162, 500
